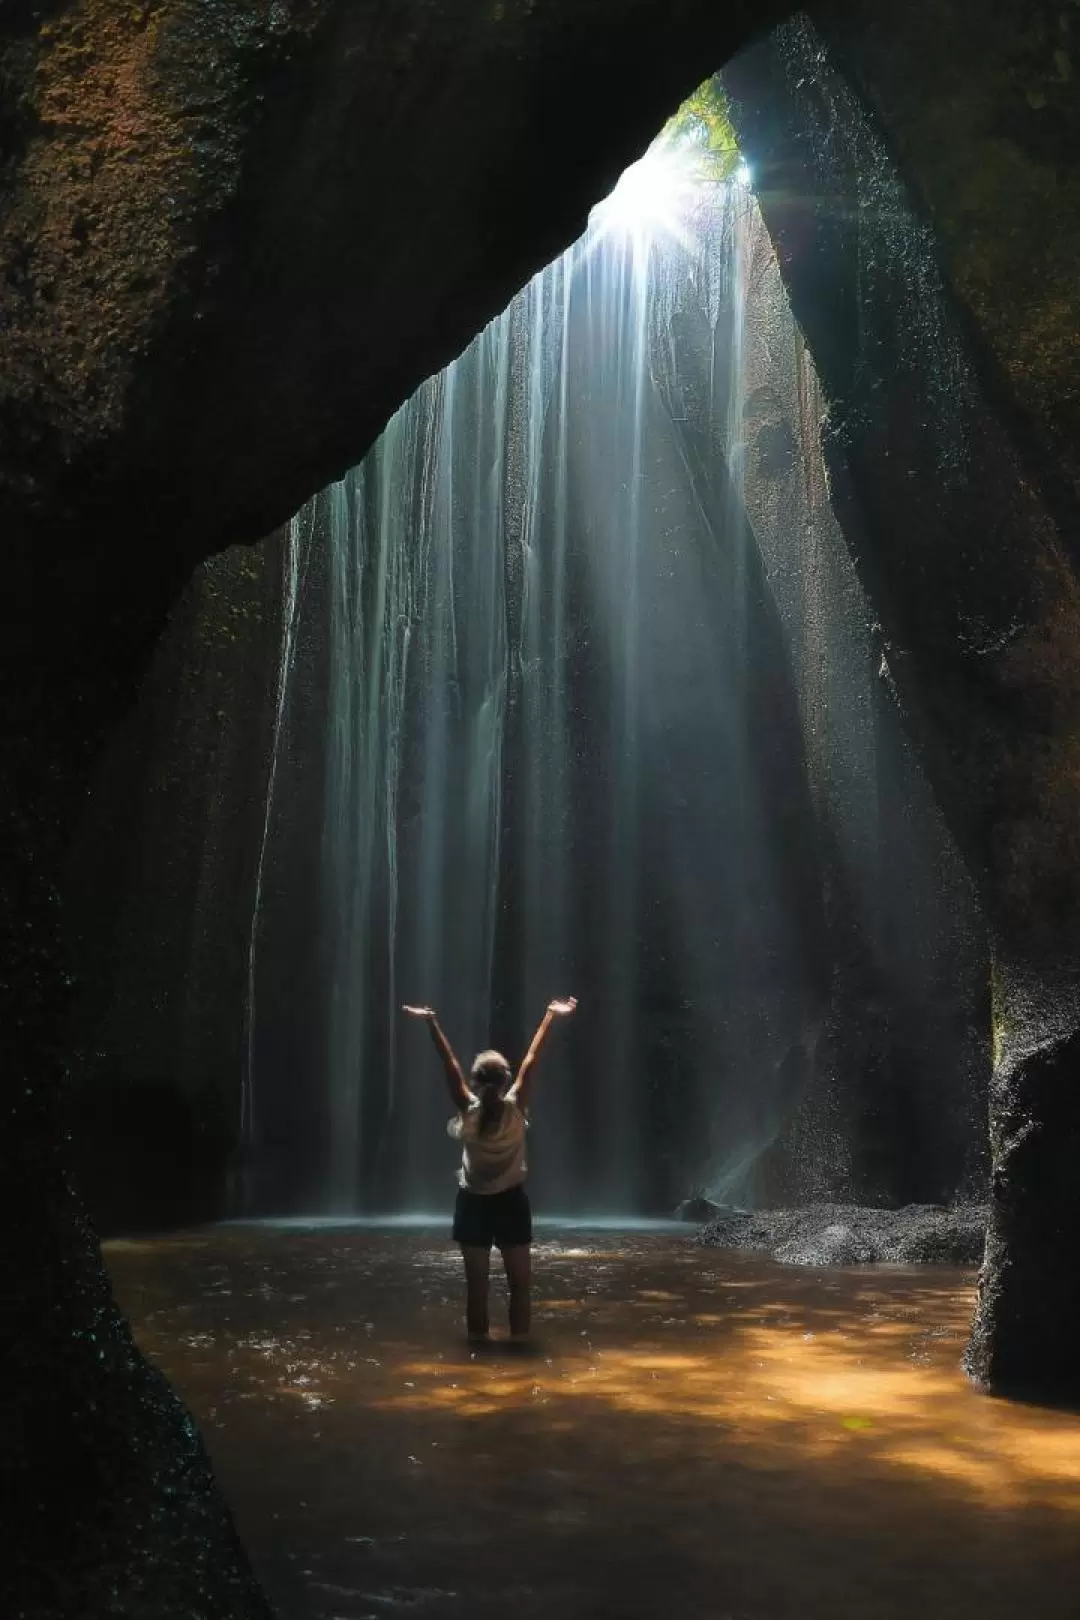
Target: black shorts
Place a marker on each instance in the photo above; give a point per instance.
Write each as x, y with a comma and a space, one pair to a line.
503, 1219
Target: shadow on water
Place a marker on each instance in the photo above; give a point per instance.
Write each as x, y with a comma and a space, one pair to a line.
704, 1427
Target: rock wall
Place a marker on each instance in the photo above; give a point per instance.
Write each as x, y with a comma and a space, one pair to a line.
894, 1105
980, 106
160, 895
966, 557
336, 197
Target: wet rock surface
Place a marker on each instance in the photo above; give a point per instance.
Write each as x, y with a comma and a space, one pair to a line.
700, 1208
239, 236
1028, 1318
967, 549
850, 1235
1001, 144
111, 1507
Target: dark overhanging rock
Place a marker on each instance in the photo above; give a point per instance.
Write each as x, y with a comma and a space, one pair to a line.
967, 556
159, 217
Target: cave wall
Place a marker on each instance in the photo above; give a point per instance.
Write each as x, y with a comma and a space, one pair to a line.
981, 108
893, 1074
193, 905
894, 1107
278, 150
966, 555
160, 889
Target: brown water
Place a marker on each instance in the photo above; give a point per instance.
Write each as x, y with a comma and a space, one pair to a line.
699, 1433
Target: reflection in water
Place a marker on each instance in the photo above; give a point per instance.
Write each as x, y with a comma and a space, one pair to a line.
759, 1441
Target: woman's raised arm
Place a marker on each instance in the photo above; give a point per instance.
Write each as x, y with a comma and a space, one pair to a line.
460, 1094
519, 1091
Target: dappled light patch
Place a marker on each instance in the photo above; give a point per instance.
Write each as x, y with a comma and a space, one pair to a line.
776, 1384
697, 1413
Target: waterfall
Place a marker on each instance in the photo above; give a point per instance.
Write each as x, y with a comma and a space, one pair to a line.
570, 687
296, 549
417, 700
537, 633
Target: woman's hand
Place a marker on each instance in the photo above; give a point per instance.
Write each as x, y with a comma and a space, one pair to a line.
459, 1091
519, 1091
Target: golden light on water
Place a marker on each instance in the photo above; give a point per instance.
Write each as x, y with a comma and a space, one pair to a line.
687, 1417
777, 1390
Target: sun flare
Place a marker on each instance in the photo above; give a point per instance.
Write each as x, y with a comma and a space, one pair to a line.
654, 198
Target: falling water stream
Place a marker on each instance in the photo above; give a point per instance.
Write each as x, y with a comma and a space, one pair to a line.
540, 772
295, 557
571, 687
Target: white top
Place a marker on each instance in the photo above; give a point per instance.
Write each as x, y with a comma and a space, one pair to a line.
495, 1161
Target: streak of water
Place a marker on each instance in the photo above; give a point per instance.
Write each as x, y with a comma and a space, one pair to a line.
539, 776
294, 558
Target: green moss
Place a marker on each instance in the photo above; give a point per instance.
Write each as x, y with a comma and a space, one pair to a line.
704, 121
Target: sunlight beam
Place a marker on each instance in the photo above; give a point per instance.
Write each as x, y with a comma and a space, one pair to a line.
653, 199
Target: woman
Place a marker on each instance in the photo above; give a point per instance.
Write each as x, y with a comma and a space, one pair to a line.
492, 1204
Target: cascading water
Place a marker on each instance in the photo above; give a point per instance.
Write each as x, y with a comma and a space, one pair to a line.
413, 792
295, 556
540, 776
572, 686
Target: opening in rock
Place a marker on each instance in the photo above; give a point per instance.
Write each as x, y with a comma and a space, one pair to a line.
572, 683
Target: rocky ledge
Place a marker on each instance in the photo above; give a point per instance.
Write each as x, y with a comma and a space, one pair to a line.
852, 1235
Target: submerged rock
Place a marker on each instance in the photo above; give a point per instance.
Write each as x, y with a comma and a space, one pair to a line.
837, 1244
699, 1208
851, 1235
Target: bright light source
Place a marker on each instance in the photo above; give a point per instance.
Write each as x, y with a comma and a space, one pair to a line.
653, 198
744, 175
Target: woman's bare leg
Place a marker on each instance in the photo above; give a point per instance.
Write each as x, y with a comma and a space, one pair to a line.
518, 1263
477, 1272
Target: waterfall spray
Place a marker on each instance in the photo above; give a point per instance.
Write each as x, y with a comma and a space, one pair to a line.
536, 776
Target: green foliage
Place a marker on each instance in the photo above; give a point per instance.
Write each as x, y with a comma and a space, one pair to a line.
704, 123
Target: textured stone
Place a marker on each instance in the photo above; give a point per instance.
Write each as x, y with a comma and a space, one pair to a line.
980, 105
853, 1235
238, 236
966, 554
